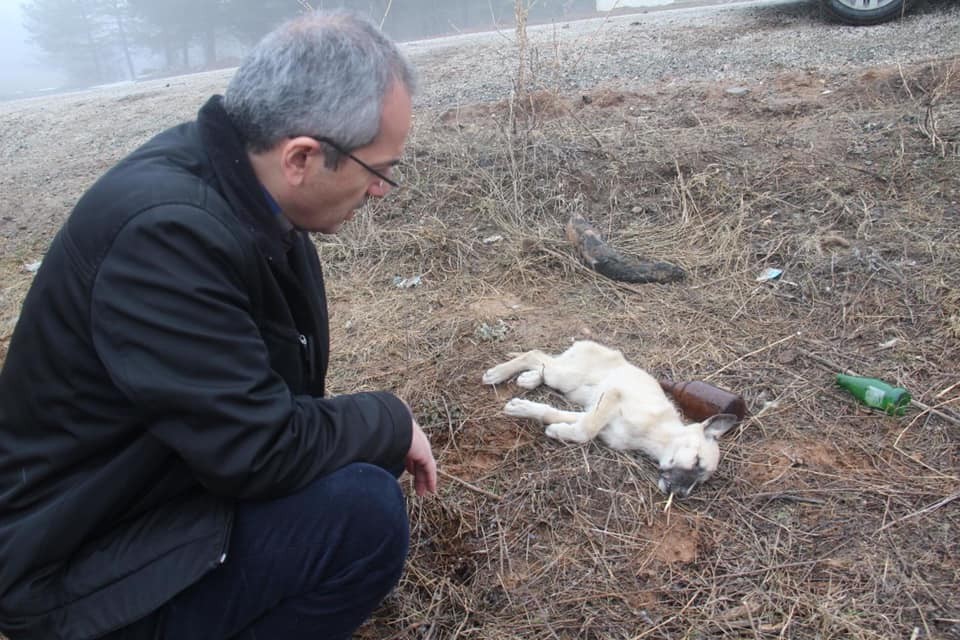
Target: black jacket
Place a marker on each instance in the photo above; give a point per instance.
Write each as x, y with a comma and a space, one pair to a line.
169, 360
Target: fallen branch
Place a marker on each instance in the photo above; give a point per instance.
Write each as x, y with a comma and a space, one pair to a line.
600, 257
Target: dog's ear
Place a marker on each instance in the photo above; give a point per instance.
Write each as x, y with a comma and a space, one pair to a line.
716, 426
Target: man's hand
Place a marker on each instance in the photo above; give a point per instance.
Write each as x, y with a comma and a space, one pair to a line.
420, 463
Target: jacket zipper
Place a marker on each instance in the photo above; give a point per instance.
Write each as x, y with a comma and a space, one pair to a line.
226, 542
307, 347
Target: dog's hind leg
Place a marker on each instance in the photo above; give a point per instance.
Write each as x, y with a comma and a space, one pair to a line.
530, 365
589, 424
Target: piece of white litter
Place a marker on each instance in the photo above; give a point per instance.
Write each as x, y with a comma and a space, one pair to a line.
889, 343
770, 273
492, 239
33, 267
406, 283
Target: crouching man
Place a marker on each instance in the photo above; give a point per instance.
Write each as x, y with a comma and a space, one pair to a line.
169, 464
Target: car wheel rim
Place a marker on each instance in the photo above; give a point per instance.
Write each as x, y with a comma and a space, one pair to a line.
866, 5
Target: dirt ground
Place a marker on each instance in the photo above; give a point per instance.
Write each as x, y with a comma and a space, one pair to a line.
825, 519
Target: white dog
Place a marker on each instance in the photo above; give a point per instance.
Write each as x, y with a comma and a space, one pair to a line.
623, 404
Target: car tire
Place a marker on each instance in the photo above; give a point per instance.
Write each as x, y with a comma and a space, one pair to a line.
865, 12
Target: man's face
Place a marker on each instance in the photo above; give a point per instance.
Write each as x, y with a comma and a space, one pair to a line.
328, 197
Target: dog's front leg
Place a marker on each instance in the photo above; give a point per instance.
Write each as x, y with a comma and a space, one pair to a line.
520, 408
562, 425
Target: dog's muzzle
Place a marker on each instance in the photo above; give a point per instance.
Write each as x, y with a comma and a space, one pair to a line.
679, 482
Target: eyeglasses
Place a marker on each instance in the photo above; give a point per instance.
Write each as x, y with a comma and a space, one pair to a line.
336, 147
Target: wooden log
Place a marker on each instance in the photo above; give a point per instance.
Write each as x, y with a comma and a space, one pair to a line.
603, 259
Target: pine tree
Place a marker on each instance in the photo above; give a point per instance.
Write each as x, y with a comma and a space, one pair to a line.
173, 26
72, 36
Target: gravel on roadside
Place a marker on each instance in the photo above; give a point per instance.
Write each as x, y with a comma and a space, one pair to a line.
735, 43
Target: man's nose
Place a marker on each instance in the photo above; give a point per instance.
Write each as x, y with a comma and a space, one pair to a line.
378, 189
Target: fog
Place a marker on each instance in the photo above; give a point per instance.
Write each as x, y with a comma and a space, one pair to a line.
21, 70
59, 45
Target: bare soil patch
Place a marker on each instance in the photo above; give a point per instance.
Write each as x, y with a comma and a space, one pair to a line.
825, 520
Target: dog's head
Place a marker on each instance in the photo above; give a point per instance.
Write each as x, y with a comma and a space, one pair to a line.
693, 457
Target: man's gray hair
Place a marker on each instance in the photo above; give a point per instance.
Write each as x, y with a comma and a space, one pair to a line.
321, 74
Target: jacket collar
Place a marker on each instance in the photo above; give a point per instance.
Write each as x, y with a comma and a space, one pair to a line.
238, 183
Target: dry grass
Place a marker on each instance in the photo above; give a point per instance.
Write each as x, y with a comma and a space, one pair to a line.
825, 520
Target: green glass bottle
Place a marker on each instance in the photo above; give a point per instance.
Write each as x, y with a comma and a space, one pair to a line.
876, 393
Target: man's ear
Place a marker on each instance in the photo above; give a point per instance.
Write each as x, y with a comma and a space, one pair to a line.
295, 154
716, 426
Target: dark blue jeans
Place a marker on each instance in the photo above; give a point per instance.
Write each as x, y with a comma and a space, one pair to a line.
314, 564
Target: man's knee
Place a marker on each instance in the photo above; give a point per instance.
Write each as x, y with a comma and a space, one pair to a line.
356, 515
375, 511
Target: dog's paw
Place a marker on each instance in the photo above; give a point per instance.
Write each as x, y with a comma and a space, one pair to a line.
530, 379
494, 375
558, 430
520, 408
565, 431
